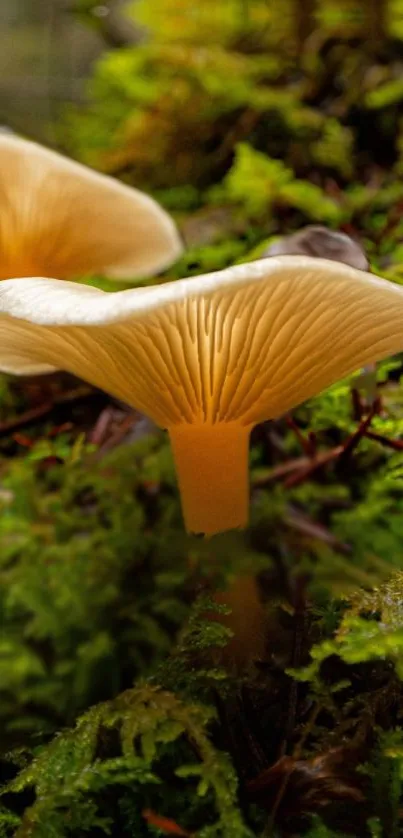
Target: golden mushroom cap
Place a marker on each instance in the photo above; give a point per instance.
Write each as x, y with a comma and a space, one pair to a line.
61, 219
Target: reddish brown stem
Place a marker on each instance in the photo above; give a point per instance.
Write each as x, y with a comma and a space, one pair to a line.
305, 473
307, 445
395, 444
355, 438
30, 417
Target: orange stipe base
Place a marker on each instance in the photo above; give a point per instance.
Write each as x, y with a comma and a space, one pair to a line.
212, 467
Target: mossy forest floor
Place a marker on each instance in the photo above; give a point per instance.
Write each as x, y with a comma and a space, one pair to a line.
133, 702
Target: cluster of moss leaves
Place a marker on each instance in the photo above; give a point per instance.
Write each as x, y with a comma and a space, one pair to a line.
124, 709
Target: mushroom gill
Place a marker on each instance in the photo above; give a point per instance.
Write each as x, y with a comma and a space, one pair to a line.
209, 357
61, 219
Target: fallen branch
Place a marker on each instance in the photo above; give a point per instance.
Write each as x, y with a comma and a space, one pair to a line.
31, 417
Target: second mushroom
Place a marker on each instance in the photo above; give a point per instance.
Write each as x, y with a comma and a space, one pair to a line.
61, 219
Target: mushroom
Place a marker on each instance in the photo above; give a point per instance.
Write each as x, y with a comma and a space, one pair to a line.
207, 358
61, 219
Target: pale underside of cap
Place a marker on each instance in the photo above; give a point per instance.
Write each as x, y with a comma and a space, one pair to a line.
208, 357
244, 344
61, 219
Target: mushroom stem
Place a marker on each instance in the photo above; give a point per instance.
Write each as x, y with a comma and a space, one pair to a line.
212, 467
248, 622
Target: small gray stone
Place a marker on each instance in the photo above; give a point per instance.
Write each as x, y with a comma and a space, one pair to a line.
318, 241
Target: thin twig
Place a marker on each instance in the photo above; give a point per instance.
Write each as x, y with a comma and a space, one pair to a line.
31, 417
356, 437
307, 445
395, 444
319, 461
